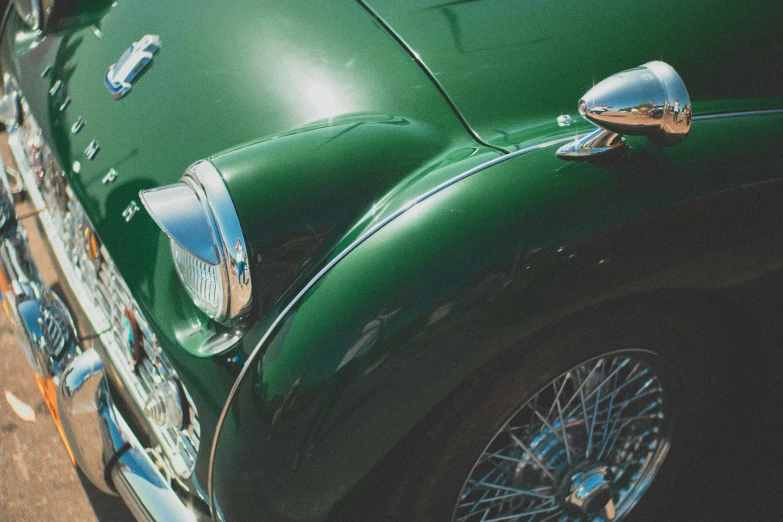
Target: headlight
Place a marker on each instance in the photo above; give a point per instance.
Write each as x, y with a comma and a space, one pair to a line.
207, 244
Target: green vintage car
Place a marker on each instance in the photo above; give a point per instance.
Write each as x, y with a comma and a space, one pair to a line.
412, 260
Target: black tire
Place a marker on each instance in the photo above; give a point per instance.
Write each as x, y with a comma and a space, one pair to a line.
428, 470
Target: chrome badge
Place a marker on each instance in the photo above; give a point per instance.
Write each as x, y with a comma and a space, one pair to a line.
122, 73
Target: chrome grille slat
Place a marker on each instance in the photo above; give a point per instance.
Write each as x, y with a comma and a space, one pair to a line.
149, 369
147, 377
151, 353
163, 372
186, 456
105, 304
145, 330
64, 222
190, 447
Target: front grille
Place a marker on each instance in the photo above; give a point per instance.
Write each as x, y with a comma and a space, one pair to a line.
112, 297
95, 279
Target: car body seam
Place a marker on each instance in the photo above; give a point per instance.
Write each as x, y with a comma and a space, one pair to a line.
415, 57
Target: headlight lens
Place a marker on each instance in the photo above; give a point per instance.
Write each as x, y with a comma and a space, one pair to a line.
207, 243
202, 281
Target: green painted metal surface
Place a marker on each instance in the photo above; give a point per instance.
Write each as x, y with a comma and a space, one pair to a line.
298, 83
296, 208
204, 93
364, 355
323, 126
513, 67
474, 269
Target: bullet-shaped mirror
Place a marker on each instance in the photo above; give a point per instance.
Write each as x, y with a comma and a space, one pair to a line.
650, 100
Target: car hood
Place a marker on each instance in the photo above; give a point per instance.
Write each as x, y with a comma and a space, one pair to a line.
511, 68
225, 74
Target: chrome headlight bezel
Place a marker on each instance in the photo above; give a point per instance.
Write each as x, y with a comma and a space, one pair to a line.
201, 221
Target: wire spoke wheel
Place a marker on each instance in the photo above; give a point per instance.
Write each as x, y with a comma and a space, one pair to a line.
584, 447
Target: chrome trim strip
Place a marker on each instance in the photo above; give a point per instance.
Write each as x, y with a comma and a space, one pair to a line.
179, 212
361, 239
229, 239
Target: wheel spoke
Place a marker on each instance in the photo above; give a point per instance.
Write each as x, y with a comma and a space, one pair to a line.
517, 516
562, 436
616, 431
562, 421
532, 455
558, 393
595, 414
514, 491
622, 407
579, 392
612, 396
553, 516
617, 390
630, 400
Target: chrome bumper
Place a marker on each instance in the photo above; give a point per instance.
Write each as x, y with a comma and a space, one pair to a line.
94, 431
104, 446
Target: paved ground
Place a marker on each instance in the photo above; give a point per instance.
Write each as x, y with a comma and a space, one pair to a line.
37, 480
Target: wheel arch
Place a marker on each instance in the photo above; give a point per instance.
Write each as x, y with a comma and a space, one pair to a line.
690, 312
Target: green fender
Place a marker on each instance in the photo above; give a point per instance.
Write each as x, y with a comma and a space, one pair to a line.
296, 207
414, 306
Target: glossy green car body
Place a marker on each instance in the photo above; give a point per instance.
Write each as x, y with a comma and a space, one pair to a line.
393, 168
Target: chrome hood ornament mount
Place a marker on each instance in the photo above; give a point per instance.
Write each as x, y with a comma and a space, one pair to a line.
121, 74
650, 100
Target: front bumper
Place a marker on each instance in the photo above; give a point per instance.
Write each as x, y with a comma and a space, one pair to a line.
74, 384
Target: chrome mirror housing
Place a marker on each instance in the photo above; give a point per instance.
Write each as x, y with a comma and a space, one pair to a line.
650, 100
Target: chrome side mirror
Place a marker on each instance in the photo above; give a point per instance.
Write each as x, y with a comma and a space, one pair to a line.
650, 100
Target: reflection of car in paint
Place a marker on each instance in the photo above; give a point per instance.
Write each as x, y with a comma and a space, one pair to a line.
437, 318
